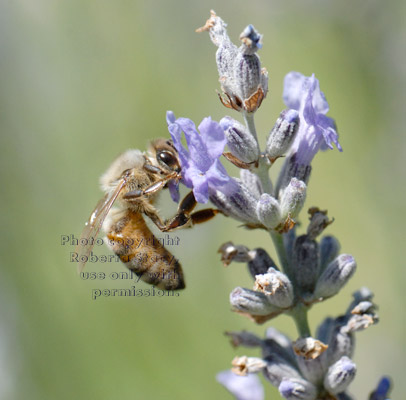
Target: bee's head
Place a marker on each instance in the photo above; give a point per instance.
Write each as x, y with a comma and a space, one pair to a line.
165, 154
130, 160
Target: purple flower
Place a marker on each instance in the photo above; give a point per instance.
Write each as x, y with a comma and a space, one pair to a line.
242, 387
202, 170
316, 130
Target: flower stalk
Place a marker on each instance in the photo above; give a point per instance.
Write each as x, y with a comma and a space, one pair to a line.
299, 315
249, 121
280, 248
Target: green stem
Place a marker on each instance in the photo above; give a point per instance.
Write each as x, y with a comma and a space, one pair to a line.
249, 122
263, 175
299, 315
277, 239
263, 166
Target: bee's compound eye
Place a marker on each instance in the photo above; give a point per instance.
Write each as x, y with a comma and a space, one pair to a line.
167, 158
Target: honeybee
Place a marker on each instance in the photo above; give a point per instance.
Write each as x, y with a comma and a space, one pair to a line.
133, 182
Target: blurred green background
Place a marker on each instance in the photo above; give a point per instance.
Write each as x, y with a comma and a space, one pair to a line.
83, 80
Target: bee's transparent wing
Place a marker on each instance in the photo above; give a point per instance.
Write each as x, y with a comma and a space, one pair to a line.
94, 224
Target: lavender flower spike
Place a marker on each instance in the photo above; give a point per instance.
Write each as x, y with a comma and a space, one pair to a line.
201, 169
316, 130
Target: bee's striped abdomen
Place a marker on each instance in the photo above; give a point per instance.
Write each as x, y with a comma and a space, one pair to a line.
131, 239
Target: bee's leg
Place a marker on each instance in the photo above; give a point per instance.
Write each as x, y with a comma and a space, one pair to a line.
182, 217
186, 216
151, 212
154, 188
157, 170
207, 214
154, 170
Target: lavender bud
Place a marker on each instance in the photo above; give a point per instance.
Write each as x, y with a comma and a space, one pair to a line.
312, 370
325, 329
282, 134
293, 198
225, 54
329, 248
239, 140
251, 302
244, 338
297, 389
247, 365
247, 67
250, 82
268, 211
240, 205
277, 288
260, 262
306, 263
279, 368
252, 182
229, 252
341, 344
247, 73
227, 51
340, 375
292, 169
335, 276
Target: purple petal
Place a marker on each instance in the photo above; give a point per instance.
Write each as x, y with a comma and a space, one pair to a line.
176, 134
213, 136
201, 169
329, 132
309, 114
242, 387
201, 192
293, 89
316, 131
188, 174
198, 183
307, 143
174, 190
196, 145
170, 117
217, 175
298, 86
319, 100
